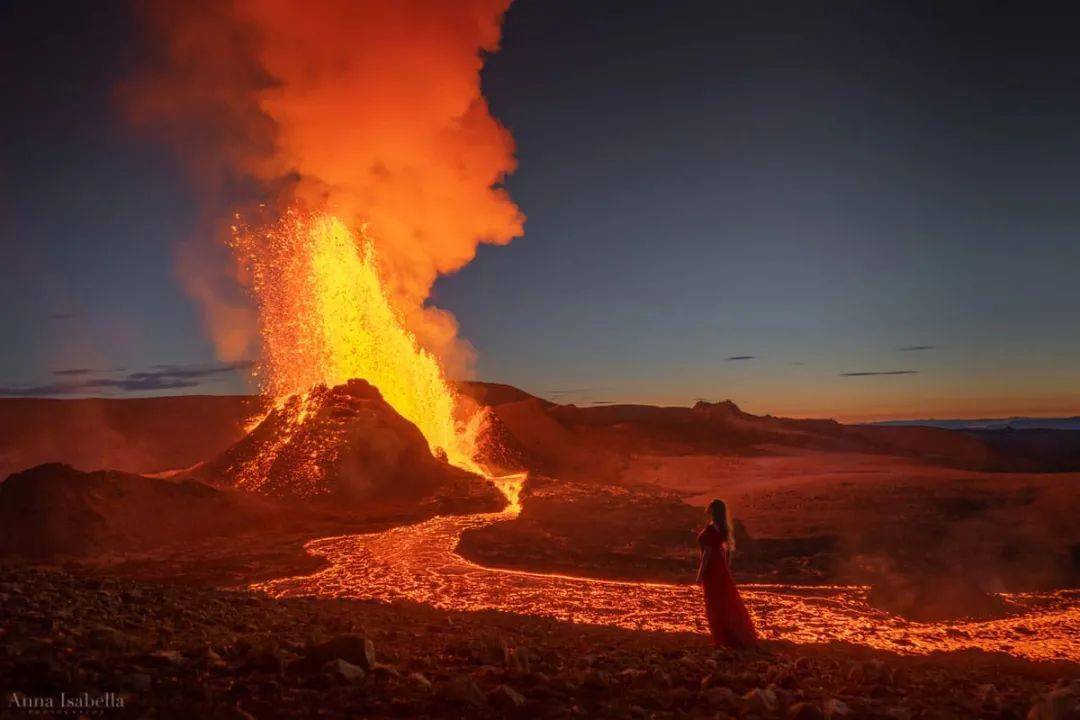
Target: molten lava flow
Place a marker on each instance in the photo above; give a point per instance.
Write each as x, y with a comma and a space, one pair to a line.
419, 563
325, 319
510, 486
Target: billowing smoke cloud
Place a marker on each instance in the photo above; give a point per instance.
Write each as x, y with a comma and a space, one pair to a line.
369, 109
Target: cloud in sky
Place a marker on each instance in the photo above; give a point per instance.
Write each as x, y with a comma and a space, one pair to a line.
915, 348
741, 357
878, 373
190, 371
74, 371
78, 371
160, 377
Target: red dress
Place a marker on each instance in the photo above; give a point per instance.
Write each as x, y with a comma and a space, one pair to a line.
729, 622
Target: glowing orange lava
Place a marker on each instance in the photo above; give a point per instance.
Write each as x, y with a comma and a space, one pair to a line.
418, 562
325, 318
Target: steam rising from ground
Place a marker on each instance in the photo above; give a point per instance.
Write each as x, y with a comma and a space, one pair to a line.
369, 110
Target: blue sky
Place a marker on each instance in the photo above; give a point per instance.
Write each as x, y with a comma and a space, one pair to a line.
815, 192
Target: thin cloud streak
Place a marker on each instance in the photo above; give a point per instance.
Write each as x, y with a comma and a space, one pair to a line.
915, 348
741, 357
879, 373
160, 377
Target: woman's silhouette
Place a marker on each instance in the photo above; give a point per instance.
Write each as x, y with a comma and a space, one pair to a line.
729, 622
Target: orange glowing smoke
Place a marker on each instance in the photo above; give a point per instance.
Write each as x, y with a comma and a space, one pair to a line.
325, 318
365, 110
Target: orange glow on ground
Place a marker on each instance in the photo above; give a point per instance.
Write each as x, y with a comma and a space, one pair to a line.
419, 563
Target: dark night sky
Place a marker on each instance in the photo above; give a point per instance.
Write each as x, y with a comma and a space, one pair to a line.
787, 204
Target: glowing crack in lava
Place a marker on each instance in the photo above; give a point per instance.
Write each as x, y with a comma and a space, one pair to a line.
325, 318
418, 562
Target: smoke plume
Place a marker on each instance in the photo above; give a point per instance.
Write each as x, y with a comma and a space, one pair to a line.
367, 109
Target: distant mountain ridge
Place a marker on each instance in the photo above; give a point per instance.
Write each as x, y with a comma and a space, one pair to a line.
1016, 423
149, 435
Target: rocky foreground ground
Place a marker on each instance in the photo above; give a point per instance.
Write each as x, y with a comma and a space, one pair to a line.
120, 648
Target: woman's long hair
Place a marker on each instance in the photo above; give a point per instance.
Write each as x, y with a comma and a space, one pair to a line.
721, 517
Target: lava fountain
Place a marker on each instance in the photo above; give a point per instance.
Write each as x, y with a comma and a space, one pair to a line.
326, 318
354, 113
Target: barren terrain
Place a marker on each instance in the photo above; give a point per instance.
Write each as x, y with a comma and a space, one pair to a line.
197, 652
903, 538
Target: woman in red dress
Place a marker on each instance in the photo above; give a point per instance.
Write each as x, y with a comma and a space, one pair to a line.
729, 622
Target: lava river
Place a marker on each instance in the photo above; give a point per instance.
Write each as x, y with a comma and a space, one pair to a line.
418, 562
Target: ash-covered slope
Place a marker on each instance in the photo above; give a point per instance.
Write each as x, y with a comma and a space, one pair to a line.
344, 445
54, 509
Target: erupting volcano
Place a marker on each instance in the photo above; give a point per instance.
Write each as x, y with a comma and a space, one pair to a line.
326, 319
351, 526
376, 167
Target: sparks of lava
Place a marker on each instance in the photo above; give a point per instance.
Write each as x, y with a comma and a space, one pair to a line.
510, 486
325, 318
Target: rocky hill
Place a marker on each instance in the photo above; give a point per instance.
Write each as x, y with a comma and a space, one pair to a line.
55, 510
343, 445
